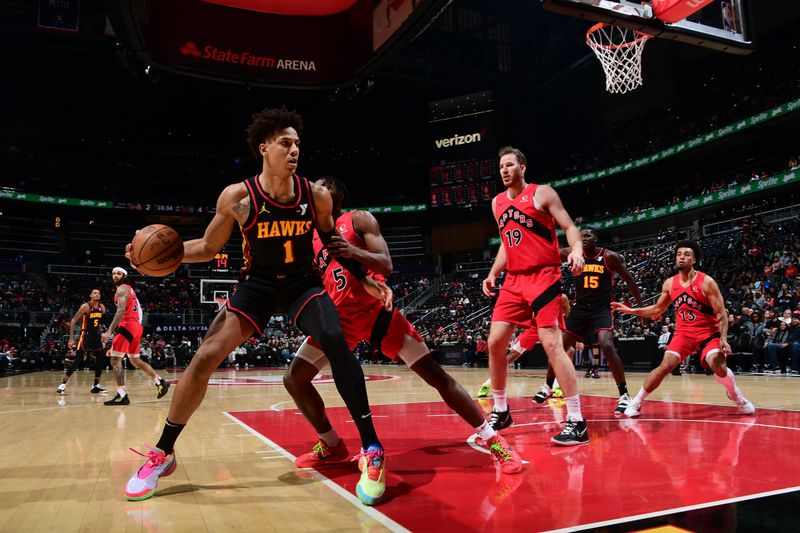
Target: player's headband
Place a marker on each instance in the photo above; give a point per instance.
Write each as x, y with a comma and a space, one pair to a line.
120, 270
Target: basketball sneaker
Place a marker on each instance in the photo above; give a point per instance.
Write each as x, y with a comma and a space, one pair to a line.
509, 460
98, 389
372, 485
745, 406
143, 483
163, 387
622, 404
321, 454
632, 411
573, 434
484, 391
544, 393
500, 419
595, 374
61, 388
588, 373
557, 392
118, 400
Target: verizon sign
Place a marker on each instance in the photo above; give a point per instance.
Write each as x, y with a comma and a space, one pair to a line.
458, 140
245, 58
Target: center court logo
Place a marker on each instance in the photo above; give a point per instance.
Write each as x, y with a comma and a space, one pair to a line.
268, 381
246, 58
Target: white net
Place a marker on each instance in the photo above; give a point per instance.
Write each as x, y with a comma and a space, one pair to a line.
620, 52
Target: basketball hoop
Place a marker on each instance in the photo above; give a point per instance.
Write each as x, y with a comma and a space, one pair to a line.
220, 302
620, 52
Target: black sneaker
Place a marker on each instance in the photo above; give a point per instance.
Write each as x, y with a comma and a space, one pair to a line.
500, 420
595, 373
97, 389
163, 388
588, 373
544, 393
573, 434
118, 400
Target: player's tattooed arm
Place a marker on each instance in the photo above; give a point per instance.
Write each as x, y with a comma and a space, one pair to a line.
241, 210
121, 297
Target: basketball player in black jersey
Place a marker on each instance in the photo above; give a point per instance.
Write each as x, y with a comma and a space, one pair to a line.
90, 314
275, 211
591, 313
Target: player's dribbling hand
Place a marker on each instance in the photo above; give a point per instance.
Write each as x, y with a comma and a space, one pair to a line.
489, 285
575, 262
379, 290
128, 248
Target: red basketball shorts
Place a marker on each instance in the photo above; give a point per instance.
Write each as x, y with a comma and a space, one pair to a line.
685, 345
127, 338
531, 299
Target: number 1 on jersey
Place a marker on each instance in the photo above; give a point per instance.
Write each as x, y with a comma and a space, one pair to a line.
287, 246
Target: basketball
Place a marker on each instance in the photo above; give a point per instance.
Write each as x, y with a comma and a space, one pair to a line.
157, 250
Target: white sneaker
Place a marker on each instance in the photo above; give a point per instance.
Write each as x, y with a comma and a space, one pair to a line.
61, 388
622, 404
745, 406
544, 393
143, 483
633, 409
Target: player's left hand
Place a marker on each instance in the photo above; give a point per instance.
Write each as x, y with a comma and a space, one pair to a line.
341, 247
104, 338
379, 290
620, 307
575, 262
724, 347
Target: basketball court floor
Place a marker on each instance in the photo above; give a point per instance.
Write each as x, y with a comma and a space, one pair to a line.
690, 462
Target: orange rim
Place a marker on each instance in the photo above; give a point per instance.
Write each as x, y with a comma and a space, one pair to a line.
640, 37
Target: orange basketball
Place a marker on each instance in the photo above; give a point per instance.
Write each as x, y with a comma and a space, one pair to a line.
157, 250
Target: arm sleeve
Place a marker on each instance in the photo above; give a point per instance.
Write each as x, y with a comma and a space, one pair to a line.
352, 266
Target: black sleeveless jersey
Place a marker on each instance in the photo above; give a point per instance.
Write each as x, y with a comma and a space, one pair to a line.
276, 238
594, 285
90, 323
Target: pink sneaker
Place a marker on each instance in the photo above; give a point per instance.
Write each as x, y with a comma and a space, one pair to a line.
143, 483
509, 460
322, 455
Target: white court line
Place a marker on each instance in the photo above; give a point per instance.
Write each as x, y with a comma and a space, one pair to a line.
371, 511
674, 510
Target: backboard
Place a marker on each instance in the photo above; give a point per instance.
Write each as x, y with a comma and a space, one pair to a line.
722, 24
216, 291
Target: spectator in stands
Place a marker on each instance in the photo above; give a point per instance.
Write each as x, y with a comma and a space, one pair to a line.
145, 351
778, 349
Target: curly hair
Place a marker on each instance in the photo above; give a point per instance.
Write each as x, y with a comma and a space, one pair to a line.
267, 123
692, 245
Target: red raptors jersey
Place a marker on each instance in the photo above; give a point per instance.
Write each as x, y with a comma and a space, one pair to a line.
528, 234
347, 292
693, 312
133, 311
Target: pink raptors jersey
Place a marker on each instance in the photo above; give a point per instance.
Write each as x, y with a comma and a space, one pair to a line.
693, 312
527, 233
346, 291
133, 311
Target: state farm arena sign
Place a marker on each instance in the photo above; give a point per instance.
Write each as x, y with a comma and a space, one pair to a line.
277, 379
206, 39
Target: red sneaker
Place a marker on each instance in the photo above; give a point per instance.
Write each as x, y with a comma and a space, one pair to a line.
510, 461
322, 455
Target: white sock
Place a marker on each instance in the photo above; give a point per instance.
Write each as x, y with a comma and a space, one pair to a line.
487, 383
122, 392
641, 396
485, 432
330, 438
574, 408
555, 384
729, 382
500, 403
158, 379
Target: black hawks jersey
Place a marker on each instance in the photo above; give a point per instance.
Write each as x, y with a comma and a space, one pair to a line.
276, 238
594, 285
90, 323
